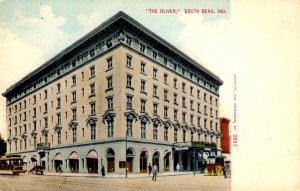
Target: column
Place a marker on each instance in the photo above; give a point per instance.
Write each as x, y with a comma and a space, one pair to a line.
189, 160
180, 160
161, 163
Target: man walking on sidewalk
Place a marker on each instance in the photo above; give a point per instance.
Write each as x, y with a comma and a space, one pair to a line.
154, 172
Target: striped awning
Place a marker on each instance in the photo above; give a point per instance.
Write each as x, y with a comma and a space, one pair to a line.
58, 157
92, 155
74, 155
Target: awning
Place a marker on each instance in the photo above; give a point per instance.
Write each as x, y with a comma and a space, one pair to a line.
74, 155
43, 159
92, 155
58, 157
33, 158
25, 161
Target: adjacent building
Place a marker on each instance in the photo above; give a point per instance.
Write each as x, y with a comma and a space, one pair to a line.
119, 96
225, 137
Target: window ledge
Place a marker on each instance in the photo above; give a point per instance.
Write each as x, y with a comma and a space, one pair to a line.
143, 92
108, 69
108, 89
129, 87
92, 95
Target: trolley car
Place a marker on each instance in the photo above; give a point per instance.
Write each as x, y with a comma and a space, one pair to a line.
11, 164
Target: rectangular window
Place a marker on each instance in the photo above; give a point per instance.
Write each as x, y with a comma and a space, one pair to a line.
58, 88
154, 73
92, 89
129, 128
154, 90
109, 83
34, 102
110, 103
74, 80
143, 105
166, 95
110, 128
175, 135
93, 108
143, 65
58, 103
155, 132
155, 108
34, 114
198, 122
175, 99
192, 105
166, 112
211, 112
183, 102
175, 83
216, 114
74, 96
166, 78
109, 63
74, 132
191, 119
183, 116
46, 108
205, 97
128, 63
198, 108
143, 130
129, 78
175, 114
74, 112
58, 118
46, 122
198, 94
183, 87
129, 102
45, 97
210, 99
184, 136
191, 91
93, 131
92, 70
143, 85
166, 132
216, 102
205, 113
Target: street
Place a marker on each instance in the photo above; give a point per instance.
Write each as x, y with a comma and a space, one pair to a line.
174, 183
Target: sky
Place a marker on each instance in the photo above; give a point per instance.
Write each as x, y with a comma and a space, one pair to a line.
257, 41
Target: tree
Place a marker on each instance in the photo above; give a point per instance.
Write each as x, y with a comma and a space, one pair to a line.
2, 146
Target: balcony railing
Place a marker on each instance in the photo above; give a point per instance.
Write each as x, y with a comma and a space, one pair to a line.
43, 145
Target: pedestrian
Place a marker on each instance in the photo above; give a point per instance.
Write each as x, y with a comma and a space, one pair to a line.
154, 172
149, 168
103, 171
177, 167
224, 169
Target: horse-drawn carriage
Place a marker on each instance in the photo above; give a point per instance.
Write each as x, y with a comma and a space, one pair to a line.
215, 166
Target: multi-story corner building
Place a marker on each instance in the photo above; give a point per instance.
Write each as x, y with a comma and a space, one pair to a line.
120, 95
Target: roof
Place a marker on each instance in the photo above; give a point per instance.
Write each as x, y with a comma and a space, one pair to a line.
119, 17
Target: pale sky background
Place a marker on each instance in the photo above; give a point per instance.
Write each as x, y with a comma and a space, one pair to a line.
258, 41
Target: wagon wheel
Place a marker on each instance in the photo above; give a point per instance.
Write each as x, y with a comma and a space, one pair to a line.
218, 170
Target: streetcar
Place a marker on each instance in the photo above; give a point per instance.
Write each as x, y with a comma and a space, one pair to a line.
11, 164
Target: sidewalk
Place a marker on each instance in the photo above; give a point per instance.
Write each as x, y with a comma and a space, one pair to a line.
114, 175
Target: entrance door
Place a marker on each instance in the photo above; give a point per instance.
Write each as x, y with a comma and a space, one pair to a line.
143, 162
92, 165
155, 160
167, 162
111, 164
129, 164
74, 165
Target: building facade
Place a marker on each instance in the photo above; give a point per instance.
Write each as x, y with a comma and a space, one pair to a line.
119, 96
225, 137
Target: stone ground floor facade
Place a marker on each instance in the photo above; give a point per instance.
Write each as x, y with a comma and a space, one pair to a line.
89, 158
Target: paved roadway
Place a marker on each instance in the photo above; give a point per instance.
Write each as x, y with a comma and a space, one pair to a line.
62, 183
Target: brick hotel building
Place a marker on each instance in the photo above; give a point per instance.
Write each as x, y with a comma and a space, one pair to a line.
119, 95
